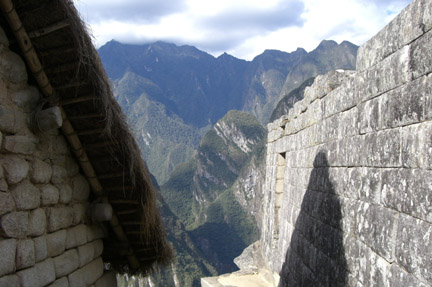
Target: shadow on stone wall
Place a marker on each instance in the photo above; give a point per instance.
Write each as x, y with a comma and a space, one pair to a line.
316, 254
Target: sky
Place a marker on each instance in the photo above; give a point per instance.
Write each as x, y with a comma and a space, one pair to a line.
242, 28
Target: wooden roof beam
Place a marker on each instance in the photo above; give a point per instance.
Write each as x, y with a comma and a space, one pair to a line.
48, 30
78, 100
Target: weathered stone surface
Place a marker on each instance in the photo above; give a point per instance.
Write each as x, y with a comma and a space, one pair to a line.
420, 64
79, 213
101, 212
11, 121
68, 163
14, 224
39, 275
15, 168
59, 174
3, 39
59, 217
93, 271
66, 263
76, 236
27, 99
3, 185
9, 281
37, 222
89, 251
62, 282
25, 254
48, 119
20, 144
7, 258
65, 193
49, 194
12, 67
80, 188
41, 250
7, 203
56, 243
416, 146
413, 252
26, 196
109, 279
41, 171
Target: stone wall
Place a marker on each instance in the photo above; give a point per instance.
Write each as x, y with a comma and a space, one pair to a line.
45, 239
349, 180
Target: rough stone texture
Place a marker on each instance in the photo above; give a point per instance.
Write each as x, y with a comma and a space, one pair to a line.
80, 188
39, 275
12, 67
7, 258
26, 99
9, 281
94, 232
65, 194
56, 243
76, 236
26, 196
15, 169
66, 263
41, 171
89, 251
352, 204
62, 282
11, 121
15, 224
7, 203
25, 254
20, 144
41, 249
49, 195
59, 217
79, 213
87, 275
37, 222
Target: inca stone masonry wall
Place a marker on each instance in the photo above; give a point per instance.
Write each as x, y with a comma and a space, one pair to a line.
44, 237
349, 180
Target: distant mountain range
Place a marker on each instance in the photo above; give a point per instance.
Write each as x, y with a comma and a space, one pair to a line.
173, 94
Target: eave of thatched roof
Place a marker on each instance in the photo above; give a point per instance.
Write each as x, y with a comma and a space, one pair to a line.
59, 53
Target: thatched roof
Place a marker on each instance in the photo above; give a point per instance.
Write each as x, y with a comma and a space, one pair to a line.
59, 54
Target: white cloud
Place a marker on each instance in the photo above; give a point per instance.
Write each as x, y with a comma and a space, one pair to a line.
243, 28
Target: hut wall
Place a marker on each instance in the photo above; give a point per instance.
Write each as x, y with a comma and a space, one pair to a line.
45, 237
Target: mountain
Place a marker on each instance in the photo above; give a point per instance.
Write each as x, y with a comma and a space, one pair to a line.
202, 195
173, 94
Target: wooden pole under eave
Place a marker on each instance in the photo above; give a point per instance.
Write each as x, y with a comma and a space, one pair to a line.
47, 90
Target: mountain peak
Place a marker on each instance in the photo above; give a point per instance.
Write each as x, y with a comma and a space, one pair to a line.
326, 44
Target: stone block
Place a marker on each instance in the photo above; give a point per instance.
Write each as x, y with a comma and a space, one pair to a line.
48, 119
25, 254
59, 217
405, 105
14, 224
383, 149
7, 258
392, 72
62, 282
37, 222
109, 279
376, 227
11, 121
86, 253
41, 249
3, 185
77, 279
66, 263
79, 213
368, 116
93, 271
408, 191
9, 281
80, 188
49, 195
68, 163
39, 275
4, 41
59, 145
413, 252
41, 171
26, 99
417, 146
12, 67
20, 144
76, 236
428, 98
65, 193
420, 63
15, 168
7, 204
26, 196
59, 174
56, 243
